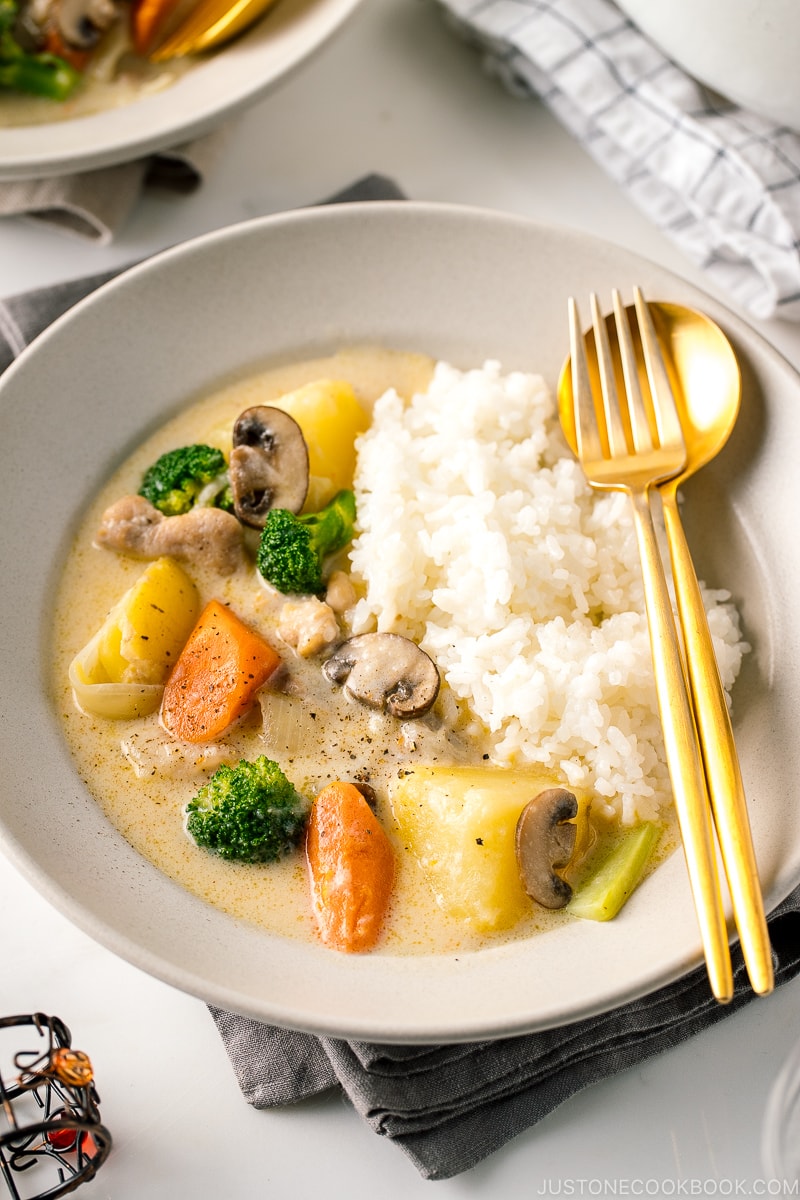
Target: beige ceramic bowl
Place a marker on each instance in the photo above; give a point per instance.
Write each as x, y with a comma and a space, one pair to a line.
459, 284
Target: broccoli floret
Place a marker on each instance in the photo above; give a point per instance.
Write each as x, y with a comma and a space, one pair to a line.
175, 481
292, 549
250, 812
41, 74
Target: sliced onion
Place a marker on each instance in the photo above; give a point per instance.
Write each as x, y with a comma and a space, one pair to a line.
116, 701
288, 725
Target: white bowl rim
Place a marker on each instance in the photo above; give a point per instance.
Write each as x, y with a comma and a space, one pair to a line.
216, 89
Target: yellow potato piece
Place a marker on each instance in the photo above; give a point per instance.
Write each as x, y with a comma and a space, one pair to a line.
121, 671
459, 823
331, 418
152, 622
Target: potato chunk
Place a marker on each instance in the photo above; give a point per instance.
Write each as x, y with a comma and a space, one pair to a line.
142, 638
459, 823
331, 418
121, 671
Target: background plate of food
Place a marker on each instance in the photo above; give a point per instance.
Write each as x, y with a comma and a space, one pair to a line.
442, 624
114, 104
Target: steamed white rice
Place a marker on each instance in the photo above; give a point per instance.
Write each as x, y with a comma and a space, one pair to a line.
479, 538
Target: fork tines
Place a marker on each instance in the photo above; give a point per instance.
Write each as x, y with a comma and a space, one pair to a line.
629, 419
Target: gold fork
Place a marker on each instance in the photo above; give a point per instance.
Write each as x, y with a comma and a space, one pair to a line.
209, 24
617, 450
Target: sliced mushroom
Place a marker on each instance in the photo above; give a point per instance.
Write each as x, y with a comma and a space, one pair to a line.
81, 22
268, 465
385, 671
367, 791
31, 23
545, 842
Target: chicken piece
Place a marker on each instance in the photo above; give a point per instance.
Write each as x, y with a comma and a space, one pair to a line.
340, 594
156, 753
208, 537
309, 625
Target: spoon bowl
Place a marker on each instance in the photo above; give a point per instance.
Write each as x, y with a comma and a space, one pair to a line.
210, 23
704, 374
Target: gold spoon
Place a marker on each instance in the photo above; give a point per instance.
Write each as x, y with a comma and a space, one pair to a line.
706, 381
209, 24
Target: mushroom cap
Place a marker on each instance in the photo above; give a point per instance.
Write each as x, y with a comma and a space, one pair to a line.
385, 671
268, 466
545, 841
81, 22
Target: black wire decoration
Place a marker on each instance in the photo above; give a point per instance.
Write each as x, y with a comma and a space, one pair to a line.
49, 1114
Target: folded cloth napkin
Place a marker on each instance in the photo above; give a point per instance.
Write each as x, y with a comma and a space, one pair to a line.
722, 182
446, 1107
95, 204
449, 1107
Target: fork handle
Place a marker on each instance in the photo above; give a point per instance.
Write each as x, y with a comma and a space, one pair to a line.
723, 774
683, 754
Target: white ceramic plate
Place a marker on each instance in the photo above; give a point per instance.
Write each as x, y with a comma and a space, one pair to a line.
197, 102
463, 285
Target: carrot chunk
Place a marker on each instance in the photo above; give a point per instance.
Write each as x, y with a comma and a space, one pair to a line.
351, 868
216, 677
54, 43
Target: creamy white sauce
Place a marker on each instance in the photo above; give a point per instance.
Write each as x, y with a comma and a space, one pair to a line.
133, 79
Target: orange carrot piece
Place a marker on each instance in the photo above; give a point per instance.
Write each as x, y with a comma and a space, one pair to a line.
351, 868
216, 677
54, 44
147, 20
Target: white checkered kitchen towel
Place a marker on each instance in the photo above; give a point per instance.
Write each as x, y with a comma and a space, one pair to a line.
722, 182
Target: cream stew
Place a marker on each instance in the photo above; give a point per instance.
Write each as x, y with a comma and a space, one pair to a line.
143, 779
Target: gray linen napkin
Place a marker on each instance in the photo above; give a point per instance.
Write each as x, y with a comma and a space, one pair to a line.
96, 204
446, 1107
449, 1107
722, 182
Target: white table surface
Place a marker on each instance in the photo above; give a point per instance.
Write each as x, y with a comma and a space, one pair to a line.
393, 92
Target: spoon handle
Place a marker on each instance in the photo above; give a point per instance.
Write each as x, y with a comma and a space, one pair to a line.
684, 759
723, 775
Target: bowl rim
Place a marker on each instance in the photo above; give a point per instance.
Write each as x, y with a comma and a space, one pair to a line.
217, 88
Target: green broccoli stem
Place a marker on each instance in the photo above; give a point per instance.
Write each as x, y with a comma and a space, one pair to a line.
186, 476
37, 74
332, 526
292, 549
613, 880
